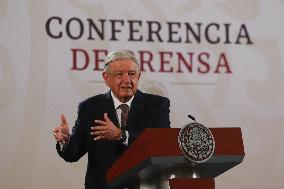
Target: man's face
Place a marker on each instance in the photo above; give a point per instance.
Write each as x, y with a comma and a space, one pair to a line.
122, 77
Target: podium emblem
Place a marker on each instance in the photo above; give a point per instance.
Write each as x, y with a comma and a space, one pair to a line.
196, 142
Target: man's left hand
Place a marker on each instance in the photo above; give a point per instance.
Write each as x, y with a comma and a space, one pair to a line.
105, 130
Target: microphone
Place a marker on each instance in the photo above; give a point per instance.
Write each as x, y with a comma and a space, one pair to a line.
191, 117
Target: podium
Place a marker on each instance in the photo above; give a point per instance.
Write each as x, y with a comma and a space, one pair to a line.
155, 160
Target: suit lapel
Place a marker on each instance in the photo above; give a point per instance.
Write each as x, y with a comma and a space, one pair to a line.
110, 108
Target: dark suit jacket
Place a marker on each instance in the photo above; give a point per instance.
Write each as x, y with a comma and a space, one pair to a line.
147, 111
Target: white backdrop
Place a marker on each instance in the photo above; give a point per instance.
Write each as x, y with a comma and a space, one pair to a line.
37, 83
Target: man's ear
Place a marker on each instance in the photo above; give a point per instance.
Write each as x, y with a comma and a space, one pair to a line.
105, 76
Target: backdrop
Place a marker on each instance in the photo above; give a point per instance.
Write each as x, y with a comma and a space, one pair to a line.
218, 60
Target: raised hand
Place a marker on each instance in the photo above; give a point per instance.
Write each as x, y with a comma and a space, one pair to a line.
105, 129
61, 132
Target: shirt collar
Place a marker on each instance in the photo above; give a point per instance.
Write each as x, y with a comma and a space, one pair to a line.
117, 102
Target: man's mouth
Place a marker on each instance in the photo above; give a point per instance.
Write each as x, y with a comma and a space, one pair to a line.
126, 87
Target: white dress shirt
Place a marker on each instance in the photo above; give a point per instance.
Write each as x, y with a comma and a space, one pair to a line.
119, 111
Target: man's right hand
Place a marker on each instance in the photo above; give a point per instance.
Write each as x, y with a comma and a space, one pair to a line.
61, 132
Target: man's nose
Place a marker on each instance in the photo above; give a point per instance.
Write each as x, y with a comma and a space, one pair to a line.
126, 77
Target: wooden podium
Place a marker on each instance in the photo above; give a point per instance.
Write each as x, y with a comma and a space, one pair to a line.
154, 160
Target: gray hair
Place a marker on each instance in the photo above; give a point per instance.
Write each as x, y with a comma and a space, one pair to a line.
120, 55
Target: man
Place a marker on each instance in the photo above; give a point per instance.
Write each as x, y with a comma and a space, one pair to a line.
103, 128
